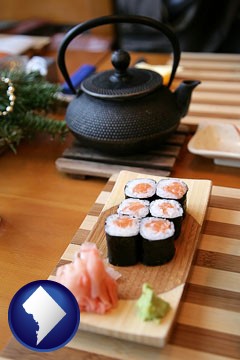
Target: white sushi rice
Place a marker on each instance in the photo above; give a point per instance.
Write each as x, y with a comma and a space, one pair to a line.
127, 207
113, 229
166, 208
147, 230
163, 184
131, 186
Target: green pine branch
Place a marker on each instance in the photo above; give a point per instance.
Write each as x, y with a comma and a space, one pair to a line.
33, 123
10, 135
35, 98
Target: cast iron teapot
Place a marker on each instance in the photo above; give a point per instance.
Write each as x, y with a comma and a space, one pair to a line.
125, 110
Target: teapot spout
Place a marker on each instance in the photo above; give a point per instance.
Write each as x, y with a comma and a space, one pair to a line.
183, 95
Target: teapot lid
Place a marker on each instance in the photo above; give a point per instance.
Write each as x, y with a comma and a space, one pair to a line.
122, 82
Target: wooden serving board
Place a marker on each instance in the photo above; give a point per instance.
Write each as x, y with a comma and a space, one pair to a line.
207, 325
167, 280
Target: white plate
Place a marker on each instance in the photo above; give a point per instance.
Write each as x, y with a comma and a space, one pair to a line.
220, 142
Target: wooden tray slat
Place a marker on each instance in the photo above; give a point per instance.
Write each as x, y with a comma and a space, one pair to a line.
217, 98
216, 57
213, 65
196, 119
221, 111
209, 75
90, 168
159, 159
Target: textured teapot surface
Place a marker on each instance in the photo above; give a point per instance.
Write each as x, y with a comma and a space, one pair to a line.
123, 126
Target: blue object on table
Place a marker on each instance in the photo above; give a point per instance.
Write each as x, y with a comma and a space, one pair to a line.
77, 77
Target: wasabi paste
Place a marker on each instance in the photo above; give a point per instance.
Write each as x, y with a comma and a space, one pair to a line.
150, 306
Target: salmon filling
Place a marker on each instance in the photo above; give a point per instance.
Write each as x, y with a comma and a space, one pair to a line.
121, 225
134, 206
123, 222
175, 188
158, 225
142, 188
165, 207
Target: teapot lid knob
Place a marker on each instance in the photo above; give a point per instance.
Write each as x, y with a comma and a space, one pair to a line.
120, 61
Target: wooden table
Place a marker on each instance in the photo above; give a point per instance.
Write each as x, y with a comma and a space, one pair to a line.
42, 209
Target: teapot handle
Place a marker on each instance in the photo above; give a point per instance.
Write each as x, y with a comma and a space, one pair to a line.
116, 19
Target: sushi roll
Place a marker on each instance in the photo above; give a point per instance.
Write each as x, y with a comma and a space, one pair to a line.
168, 209
174, 189
157, 241
134, 207
144, 189
122, 234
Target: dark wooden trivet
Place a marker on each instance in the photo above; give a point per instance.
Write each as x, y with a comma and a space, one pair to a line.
82, 161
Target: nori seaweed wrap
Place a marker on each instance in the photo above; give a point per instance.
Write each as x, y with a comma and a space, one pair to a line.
123, 240
157, 241
134, 207
144, 189
168, 209
174, 189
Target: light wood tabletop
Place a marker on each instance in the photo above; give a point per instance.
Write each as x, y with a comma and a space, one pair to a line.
41, 209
